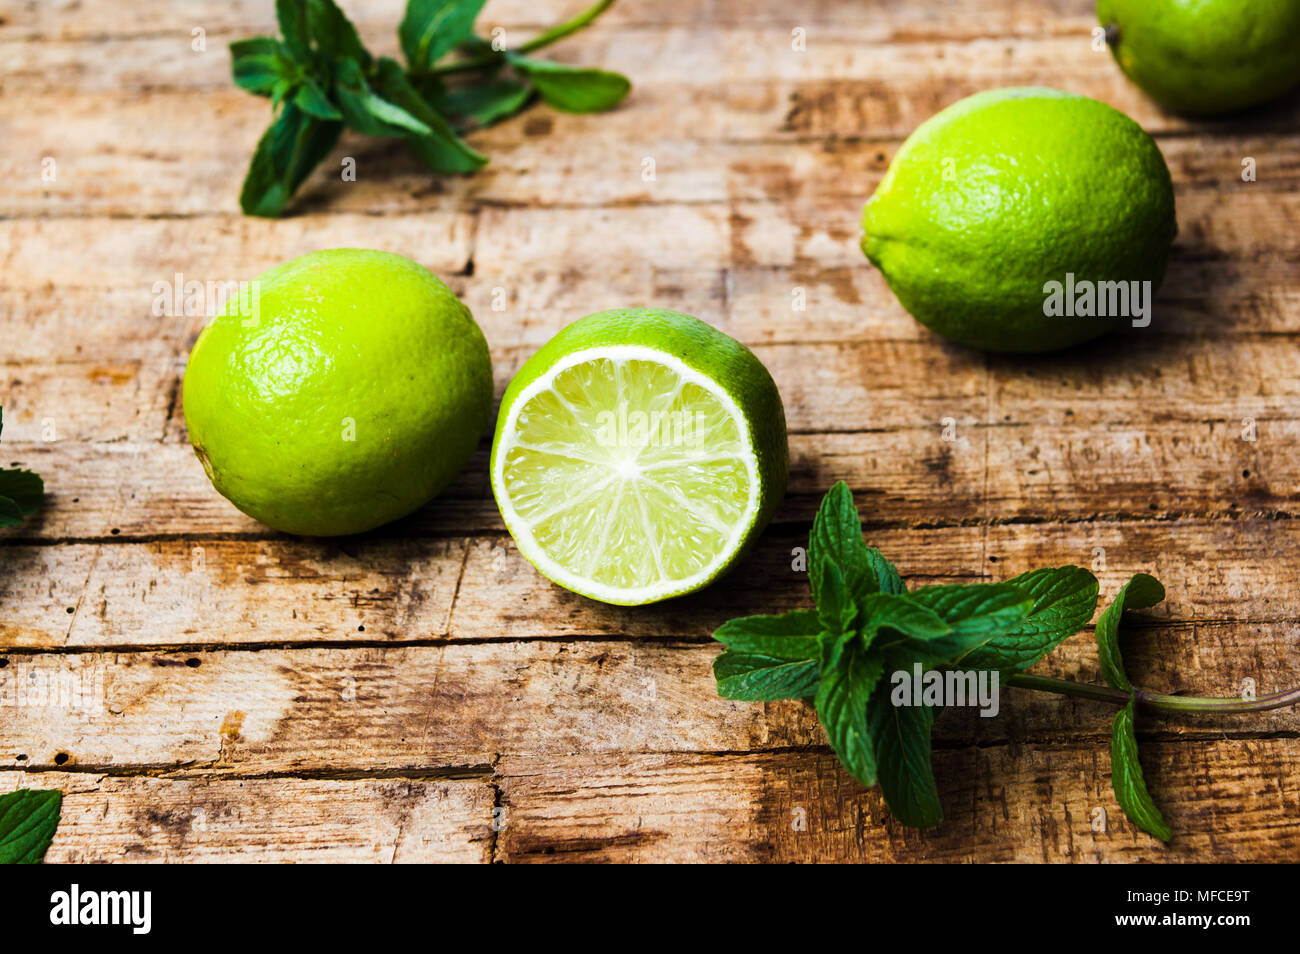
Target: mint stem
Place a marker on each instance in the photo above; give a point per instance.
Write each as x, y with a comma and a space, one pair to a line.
560, 31
1156, 701
545, 38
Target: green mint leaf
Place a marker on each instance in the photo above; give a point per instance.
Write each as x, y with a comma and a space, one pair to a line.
836, 609
333, 32
431, 29
487, 103
890, 611
291, 147
1065, 598
440, 149
11, 515
367, 112
25, 489
768, 657
292, 17
573, 89
28, 818
841, 704
1126, 777
900, 740
257, 65
977, 613
837, 536
1142, 590
311, 99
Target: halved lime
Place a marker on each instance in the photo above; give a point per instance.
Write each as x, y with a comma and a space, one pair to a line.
638, 454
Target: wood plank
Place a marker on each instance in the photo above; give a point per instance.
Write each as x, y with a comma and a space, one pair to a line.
1226, 800
235, 592
147, 156
181, 592
1007, 471
399, 709
1129, 378
60, 20
207, 819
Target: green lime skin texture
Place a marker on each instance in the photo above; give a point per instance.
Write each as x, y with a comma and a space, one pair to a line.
1007, 190
354, 394
1206, 57
638, 454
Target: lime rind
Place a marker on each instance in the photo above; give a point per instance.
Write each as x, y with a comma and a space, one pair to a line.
706, 493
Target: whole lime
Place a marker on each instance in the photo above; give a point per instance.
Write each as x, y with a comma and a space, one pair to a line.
342, 390
638, 454
997, 204
1203, 57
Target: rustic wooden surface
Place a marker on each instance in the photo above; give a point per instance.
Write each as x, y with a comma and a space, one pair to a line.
217, 691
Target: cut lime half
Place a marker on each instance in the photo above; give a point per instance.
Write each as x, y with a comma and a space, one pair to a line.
632, 472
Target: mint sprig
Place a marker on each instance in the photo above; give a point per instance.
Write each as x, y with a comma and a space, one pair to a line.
321, 79
28, 818
867, 625
1126, 776
21, 492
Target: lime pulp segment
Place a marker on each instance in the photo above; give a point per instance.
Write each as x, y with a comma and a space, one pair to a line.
626, 475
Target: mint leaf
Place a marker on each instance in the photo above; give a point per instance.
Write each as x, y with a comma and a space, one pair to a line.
837, 536
24, 488
21, 492
836, 609
977, 613
900, 740
573, 89
333, 33
311, 99
1064, 600
10, 513
365, 111
899, 613
440, 148
292, 17
291, 147
257, 65
768, 657
28, 818
841, 703
1126, 776
1142, 590
483, 105
431, 29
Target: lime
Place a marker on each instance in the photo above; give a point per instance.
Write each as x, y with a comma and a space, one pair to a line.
638, 454
1203, 57
999, 201
343, 390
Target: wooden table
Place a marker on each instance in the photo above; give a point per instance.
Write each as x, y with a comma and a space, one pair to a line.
218, 691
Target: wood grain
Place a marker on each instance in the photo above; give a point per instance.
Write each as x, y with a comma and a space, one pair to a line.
206, 819
205, 689
1015, 804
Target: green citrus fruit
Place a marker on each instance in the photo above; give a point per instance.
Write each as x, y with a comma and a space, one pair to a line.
1203, 57
638, 454
1007, 191
349, 396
